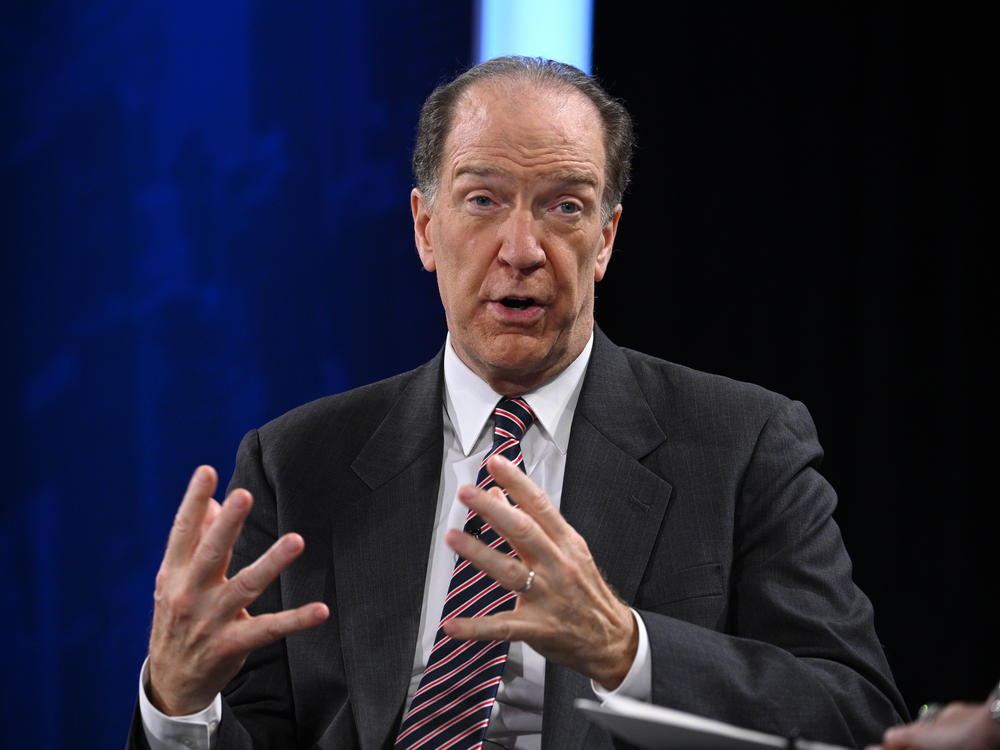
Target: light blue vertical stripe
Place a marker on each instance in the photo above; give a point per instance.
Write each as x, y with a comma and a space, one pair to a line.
557, 29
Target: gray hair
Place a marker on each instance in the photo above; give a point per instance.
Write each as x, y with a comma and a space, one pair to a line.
439, 109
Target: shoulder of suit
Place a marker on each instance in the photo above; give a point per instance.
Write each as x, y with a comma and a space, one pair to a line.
357, 408
677, 389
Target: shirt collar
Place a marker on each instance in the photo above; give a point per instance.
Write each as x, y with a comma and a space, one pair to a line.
470, 401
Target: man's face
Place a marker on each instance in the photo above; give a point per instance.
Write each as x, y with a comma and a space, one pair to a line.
515, 233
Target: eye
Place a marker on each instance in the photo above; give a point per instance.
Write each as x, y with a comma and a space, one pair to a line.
568, 208
482, 201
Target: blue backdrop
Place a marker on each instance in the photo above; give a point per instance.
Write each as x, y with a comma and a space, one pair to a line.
206, 222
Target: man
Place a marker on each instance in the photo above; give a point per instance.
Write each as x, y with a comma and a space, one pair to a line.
693, 497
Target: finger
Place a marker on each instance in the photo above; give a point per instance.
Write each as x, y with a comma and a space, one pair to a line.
212, 555
186, 530
505, 626
955, 711
513, 524
212, 511
529, 496
265, 629
249, 583
508, 571
896, 737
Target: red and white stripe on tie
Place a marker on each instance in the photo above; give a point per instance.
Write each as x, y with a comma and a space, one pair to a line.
452, 705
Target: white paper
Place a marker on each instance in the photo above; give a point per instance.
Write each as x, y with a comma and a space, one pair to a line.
661, 728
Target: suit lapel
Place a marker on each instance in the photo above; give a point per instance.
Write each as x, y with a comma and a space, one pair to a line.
615, 503
381, 558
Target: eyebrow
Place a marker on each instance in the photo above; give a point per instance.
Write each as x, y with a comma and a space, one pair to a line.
564, 176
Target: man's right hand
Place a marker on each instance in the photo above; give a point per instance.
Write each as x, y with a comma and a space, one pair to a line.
201, 631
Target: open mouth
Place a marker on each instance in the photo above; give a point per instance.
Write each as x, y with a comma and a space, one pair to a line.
517, 303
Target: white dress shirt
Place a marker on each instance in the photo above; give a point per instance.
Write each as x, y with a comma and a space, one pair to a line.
516, 718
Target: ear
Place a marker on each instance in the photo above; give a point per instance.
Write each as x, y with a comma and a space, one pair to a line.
421, 228
607, 244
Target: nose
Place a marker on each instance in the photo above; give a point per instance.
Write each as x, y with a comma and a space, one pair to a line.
521, 240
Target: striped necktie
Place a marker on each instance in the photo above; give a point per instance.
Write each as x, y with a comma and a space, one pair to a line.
452, 705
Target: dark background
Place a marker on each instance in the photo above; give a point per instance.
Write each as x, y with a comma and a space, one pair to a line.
205, 223
805, 214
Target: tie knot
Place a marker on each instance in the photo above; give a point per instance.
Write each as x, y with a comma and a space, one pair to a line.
512, 417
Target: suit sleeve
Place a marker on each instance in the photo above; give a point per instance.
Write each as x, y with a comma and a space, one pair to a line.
798, 655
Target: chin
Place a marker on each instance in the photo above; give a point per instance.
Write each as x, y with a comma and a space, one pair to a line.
510, 357
516, 351
523, 365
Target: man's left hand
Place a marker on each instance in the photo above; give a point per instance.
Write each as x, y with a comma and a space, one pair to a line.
959, 726
570, 615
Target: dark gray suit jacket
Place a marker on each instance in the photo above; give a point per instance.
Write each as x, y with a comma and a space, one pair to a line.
701, 502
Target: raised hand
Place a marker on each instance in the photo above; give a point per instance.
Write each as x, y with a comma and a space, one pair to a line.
201, 631
570, 615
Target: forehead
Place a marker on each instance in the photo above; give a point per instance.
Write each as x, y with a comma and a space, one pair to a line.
525, 129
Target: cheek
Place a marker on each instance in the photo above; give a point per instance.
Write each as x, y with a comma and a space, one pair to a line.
457, 285
585, 274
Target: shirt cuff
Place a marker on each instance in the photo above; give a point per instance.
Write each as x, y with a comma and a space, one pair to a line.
638, 683
192, 732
